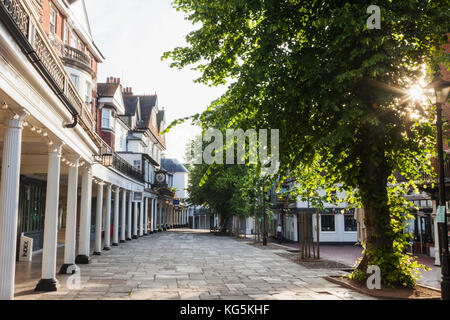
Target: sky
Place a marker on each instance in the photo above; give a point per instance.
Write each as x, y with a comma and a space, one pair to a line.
133, 35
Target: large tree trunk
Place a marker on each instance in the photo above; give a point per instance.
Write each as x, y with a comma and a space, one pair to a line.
374, 198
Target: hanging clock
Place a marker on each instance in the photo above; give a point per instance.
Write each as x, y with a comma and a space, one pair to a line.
160, 178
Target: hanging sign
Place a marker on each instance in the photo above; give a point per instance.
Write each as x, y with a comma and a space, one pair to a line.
440, 215
137, 196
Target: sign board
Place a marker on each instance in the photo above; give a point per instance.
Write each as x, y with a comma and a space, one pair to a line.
176, 201
440, 214
138, 196
26, 249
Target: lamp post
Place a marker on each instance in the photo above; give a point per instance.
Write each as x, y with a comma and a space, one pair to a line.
442, 89
264, 215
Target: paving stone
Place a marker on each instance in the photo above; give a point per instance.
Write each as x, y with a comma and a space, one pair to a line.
191, 265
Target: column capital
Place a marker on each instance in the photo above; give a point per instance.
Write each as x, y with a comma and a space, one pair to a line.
55, 148
16, 119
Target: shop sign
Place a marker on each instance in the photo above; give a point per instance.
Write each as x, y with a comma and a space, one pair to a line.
26, 249
440, 215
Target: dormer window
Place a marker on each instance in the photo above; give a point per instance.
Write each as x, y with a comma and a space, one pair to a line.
154, 120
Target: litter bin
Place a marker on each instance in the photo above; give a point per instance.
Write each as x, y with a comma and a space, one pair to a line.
26, 249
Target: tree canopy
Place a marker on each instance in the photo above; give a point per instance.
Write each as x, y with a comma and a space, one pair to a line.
308, 68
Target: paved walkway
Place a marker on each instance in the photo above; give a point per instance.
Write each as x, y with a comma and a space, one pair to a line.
187, 264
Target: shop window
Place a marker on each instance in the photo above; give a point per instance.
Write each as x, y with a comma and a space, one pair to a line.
350, 223
327, 223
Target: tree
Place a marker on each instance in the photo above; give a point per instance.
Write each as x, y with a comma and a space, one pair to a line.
302, 67
221, 191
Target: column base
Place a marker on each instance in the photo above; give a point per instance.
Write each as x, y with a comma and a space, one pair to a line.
122, 241
47, 285
145, 234
107, 249
97, 253
82, 259
129, 239
135, 237
115, 244
68, 269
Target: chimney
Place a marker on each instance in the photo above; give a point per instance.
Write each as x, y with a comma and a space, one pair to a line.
128, 91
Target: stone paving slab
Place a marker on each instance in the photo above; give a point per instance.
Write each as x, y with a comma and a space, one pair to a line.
188, 265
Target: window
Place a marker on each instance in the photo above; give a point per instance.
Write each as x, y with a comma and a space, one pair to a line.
154, 120
327, 223
75, 80
66, 34
74, 41
106, 118
88, 93
52, 21
350, 223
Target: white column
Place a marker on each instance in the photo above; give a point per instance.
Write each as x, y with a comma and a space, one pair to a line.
130, 208
71, 220
151, 215
160, 216
437, 255
108, 218
146, 217
98, 220
48, 280
135, 219
9, 204
123, 215
116, 218
155, 215
141, 218
85, 218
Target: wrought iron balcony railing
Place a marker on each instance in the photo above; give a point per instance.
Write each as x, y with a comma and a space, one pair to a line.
117, 162
28, 33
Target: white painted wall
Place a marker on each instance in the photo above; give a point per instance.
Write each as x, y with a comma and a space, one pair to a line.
291, 227
121, 136
180, 181
339, 235
83, 79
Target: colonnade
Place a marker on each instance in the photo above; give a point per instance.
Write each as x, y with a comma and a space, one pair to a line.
130, 217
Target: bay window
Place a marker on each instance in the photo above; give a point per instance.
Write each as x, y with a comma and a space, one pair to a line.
107, 119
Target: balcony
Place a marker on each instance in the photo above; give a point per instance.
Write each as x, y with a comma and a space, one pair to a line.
78, 58
27, 32
111, 159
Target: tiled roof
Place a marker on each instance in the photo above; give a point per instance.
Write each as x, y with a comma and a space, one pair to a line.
131, 103
107, 89
173, 165
147, 103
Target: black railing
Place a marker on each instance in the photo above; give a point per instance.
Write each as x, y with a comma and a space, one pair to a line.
115, 161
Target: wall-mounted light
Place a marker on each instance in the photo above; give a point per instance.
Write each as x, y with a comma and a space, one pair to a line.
107, 160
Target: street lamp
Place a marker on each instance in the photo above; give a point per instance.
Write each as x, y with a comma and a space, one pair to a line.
442, 89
